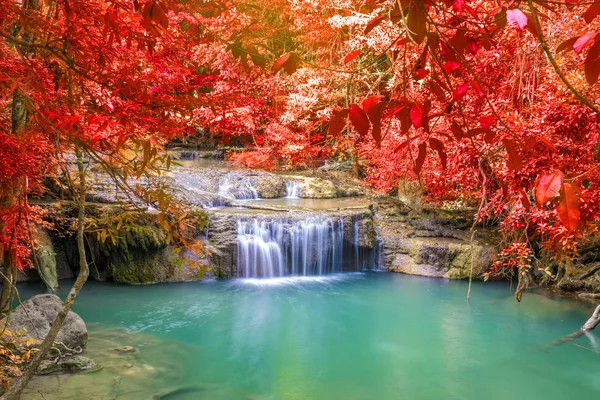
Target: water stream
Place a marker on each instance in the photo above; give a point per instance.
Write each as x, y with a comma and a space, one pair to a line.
356, 336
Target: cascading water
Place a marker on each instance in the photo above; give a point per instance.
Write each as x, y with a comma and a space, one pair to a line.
292, 190
274, 248
315, 245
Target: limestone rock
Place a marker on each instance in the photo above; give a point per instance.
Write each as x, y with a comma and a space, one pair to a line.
37, 314
430, 242
45, 258
441, 257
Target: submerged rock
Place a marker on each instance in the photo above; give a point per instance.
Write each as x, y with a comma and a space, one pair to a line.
34, 319
68, 364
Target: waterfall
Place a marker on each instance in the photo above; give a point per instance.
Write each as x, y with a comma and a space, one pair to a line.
356, 238
292, 189
275, 248
379, 253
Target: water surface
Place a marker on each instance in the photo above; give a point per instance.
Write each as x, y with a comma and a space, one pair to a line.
347, 336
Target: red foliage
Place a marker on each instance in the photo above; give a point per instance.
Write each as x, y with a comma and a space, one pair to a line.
455, 94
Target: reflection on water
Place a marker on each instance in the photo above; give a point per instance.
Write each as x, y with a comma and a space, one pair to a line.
346, 336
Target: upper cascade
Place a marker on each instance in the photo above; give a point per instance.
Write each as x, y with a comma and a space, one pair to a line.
292, 190
241, 189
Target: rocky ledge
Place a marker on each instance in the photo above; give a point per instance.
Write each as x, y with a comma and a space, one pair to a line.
431, 242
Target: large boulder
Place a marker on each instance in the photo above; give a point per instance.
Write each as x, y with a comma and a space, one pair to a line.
34, 319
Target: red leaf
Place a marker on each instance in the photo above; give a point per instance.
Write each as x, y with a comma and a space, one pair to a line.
458, 5
351, 56
514, 162
292, 64
591, 64
458, 41
447, 51
486, 121
359, 120
472, 11
457, 131
402, 112
338, 122
566, 45
460, 91
531, 24
420, 158
417, 112
416, 23
396, 13
421, 73
451, 66
531, 141
278, 64
582, 41
372, 24
568, 207
489, 137
525, 199
592, 12
373, 107
289, 62
438, 146
477, 89
548, 187
517, 19
472, 45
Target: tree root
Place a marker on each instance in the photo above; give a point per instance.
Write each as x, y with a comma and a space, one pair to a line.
67, 351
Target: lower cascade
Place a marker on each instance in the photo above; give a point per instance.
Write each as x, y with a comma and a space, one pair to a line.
316, 245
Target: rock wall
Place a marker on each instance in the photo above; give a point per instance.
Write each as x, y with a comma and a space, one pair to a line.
584, 275
222, 235
430, 242
138, 255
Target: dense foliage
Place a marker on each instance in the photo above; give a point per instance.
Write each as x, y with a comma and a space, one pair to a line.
484, 104
481, 103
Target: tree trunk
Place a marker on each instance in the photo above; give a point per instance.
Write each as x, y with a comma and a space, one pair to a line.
20, 117
8, 280
9, 197
14, 392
